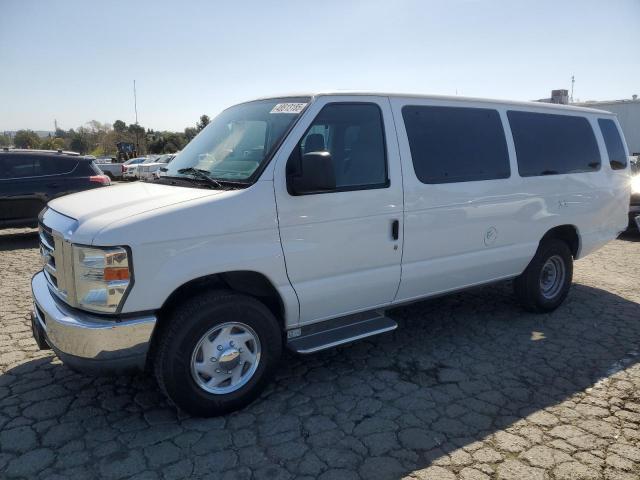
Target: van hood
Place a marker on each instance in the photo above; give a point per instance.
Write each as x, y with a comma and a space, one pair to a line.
100, 207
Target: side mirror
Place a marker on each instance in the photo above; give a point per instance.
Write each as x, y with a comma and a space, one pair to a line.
316, 174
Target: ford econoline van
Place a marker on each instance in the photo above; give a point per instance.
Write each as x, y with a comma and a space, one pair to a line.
295, 222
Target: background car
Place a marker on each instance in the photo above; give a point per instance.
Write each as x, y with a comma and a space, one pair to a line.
30, 178
130, 168
634, 207
149, 170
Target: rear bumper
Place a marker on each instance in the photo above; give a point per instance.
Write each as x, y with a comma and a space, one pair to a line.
89, 342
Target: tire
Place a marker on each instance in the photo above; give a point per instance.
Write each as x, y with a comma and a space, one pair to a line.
538, 294
201, 321
110, 175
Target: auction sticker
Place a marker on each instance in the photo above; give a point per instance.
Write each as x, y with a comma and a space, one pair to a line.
288, 108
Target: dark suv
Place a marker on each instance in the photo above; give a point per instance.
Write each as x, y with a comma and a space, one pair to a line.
30, 178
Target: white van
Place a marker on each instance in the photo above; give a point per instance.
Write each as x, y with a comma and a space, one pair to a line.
297, 221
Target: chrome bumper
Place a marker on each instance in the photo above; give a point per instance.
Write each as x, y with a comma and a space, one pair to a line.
86, 341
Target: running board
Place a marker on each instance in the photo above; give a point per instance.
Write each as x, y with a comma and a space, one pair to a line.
331, 333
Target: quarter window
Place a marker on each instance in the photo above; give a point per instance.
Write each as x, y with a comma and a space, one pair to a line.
454, 144
550, 144
613, 142
354, 136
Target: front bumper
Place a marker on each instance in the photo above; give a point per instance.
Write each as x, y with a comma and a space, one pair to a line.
89, 342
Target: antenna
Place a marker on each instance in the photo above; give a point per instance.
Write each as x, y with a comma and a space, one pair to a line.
573, 81
135, 101
135, 107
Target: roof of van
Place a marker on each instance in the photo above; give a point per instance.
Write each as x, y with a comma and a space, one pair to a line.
453, 98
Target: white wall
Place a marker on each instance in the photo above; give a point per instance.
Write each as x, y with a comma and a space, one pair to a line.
629, 117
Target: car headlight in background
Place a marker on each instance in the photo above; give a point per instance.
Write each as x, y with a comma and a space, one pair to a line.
102, 277
635, 184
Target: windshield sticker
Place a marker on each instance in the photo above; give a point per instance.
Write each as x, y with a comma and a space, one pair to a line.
288, 108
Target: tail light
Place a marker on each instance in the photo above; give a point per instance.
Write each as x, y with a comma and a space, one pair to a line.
101, 179
122, 169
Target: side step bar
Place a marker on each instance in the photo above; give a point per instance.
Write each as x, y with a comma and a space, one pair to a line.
331, 333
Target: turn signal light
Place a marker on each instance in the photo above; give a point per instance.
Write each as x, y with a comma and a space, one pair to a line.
116, 273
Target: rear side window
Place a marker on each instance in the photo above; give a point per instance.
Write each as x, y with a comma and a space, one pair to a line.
55, 165
549, 144
615, 147
24, 166
354, 136
452, 144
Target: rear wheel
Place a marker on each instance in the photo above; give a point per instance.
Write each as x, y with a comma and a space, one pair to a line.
545, 283
217, 353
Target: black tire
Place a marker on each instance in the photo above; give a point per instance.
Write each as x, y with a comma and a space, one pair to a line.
110, 175
188, 323
528, 288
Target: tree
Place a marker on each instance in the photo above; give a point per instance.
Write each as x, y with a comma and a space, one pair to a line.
166, 142
51, 143
175, 142
134, 128
26, 139
204, 121
5, 140
79, 142
189, 133
119, 126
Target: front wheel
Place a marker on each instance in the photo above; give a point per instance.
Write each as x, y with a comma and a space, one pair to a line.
545, 283
217, 353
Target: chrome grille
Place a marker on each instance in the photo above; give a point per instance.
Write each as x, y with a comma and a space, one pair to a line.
47, 252
56, 253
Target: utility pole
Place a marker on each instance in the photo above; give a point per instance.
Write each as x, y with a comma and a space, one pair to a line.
135, 107
573, 81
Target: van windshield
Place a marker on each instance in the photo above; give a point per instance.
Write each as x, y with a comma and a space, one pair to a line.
238, 141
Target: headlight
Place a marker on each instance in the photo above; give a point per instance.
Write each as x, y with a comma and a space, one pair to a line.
635, 184
102, 277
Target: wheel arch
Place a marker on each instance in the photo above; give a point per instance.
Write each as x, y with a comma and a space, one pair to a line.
247, 282
568, 234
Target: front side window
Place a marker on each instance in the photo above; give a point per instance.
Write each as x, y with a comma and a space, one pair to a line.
353, 134
550, 144
456, 144
239, 141
613, 142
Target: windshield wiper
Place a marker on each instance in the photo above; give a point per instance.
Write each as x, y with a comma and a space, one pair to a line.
203, 175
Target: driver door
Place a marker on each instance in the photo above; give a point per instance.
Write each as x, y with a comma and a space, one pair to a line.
343, 247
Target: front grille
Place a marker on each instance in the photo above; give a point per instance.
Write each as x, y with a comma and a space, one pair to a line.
53, 251
48, 253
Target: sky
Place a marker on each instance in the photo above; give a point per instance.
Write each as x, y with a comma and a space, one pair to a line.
76, 60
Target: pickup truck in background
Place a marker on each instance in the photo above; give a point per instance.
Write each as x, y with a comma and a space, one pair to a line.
109, 167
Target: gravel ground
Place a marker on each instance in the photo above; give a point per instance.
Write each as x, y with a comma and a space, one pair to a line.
468, 387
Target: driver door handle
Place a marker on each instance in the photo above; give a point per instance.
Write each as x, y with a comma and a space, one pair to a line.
395, 229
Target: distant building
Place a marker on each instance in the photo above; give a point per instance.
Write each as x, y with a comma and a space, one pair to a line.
628, 112
557, 96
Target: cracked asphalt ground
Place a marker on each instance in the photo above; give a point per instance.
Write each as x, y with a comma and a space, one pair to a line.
468, 387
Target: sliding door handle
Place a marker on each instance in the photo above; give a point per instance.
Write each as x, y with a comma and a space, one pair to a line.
395, 229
